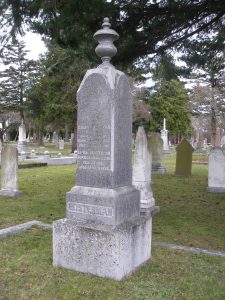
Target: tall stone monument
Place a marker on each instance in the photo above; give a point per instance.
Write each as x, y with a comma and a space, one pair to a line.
9, 171
103, 232
142, 168
216, 171
164, 136
22, 141
155, 144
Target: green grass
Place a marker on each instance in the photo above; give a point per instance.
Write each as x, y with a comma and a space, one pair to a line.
189, 216
44, 195
27, 273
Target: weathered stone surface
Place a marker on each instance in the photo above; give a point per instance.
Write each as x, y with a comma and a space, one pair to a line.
104, 148
184, 158
108, 206
155, 145
9, 171
104, 233
100, 249
104, 129
216, 171
142, 168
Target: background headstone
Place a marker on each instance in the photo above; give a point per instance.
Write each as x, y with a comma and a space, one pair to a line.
61, 144
164, 136
155, 144
22, 137
142, 170
216, 171
184, 158
9, 171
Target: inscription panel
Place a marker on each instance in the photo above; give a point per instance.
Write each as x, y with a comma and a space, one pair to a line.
94, 148
97, 210
94, 125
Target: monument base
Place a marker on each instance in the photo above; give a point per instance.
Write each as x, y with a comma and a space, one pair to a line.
158, 170
102, 250
216, 189
9, 193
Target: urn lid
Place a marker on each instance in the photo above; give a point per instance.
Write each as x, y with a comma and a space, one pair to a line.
105, 37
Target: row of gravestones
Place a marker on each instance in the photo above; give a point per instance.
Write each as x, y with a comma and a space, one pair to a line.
151, 163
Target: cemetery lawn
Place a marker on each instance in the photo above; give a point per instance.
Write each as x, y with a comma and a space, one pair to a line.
189, 216
27, 273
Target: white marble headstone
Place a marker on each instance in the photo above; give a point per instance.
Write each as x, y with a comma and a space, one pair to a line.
9, 171
216, 171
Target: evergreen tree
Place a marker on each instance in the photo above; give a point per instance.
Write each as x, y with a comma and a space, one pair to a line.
16, 78
170, 101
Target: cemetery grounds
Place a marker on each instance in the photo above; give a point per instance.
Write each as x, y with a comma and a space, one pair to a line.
189, 216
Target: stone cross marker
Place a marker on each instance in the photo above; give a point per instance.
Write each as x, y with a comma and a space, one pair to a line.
164, 136
142, 170
216, 171
184, 158
103, 233
155, 144
9, 171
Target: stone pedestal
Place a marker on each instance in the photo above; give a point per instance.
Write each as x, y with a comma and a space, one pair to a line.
102, 250
103, 233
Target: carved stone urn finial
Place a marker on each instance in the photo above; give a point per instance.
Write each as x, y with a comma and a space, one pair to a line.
105, 37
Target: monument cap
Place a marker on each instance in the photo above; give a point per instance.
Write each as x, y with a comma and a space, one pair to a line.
105, 37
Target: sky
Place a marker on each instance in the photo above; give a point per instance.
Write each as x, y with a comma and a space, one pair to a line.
34, 44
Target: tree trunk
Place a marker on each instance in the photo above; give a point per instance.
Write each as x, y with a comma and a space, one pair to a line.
213, 119
66, 133
74, 142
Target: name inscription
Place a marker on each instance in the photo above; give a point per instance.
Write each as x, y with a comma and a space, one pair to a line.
97, 210
94, 147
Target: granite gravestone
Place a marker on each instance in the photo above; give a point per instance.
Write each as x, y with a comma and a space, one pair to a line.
216, 171
103, 233
164, 136
155, 144
9, 171
142, 170
184, 158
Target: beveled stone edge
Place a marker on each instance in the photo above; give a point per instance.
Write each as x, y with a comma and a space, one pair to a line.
215, 189
22, 227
